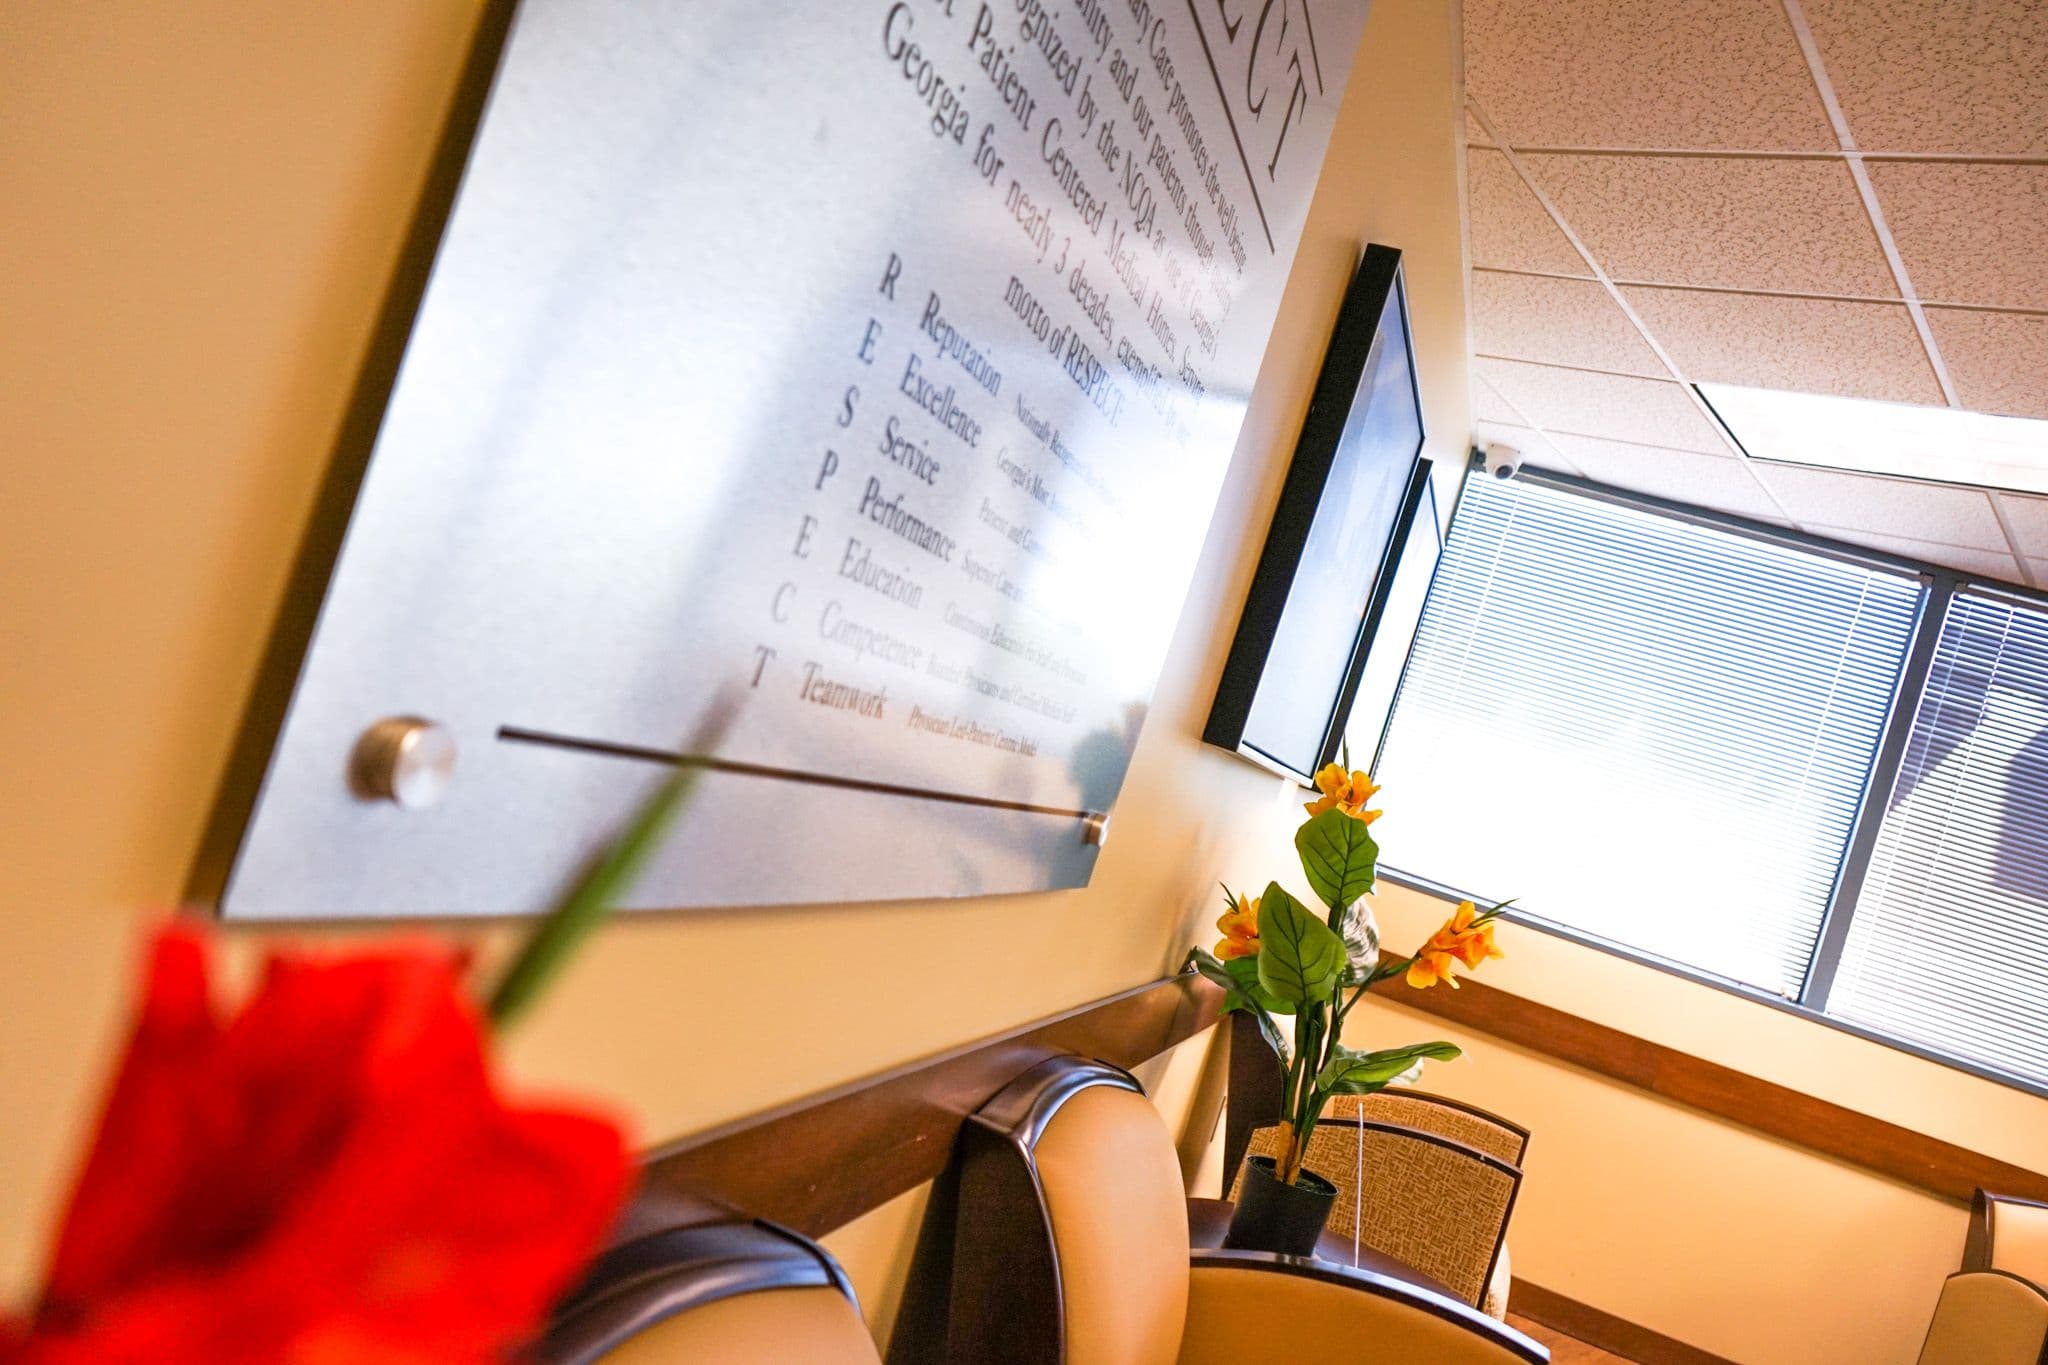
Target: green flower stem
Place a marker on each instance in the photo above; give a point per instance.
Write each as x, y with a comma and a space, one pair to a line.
607, 877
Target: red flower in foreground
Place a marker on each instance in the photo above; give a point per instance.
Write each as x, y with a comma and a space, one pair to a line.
327, 1176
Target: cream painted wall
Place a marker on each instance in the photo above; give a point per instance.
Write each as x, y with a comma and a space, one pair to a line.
199, 207
200, 204
1751, 1248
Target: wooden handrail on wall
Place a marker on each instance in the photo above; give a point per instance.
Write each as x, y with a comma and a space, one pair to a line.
821, 1162
818, 1163
1926, 1163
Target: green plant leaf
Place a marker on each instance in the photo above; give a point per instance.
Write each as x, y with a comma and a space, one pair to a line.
1268, 1029
1244, 974
1206, 963
1338, 855
1361, 1073
604, 879
1239, 977
1300, 958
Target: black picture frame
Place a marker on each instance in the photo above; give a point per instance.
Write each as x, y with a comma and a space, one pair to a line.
1351, 492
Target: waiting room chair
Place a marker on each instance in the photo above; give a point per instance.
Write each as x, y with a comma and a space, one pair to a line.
2008, 1233
737, 1293
1461, 1122
1988, 1317
1070, 1247
1439, 1114
1425, 1200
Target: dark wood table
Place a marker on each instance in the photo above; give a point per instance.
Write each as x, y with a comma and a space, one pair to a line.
1209, 1219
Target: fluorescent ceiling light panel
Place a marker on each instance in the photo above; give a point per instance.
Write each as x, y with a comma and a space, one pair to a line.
1904, 440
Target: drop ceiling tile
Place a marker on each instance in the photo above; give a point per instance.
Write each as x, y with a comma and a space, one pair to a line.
2037, 572
1489, 406
1537, 449
2028, 518
1999, 361
1620, 407
1558, 321
1987, 563
1719, 222
1772, 341
1937, 75
1475, 134
1940, 513
1619, 73
1719, 482
1974, 232
1511, 230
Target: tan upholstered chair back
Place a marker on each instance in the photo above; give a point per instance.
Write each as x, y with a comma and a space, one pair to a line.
816, 1326
1425, 1113
1067, 1244
717, 1293
1987, 1317
1425, 1200
1118, 1209
2010, 1234
2020, 1241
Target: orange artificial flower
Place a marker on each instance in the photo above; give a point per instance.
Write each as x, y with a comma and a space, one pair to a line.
1240, 926
1428, 968
1347, 792
1465, 937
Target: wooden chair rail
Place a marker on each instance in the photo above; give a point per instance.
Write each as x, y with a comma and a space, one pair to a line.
1594, 1327
1927, 1163
820, 1162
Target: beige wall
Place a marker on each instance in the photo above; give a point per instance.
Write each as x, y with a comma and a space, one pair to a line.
1754, 1249
199, 206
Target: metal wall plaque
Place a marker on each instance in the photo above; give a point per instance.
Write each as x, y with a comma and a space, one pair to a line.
872, 366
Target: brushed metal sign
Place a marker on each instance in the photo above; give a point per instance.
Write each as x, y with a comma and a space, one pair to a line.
873, 364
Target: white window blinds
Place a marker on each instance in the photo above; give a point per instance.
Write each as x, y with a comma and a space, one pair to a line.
1647, 730
1948, 945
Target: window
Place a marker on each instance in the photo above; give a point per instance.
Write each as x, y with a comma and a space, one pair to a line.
1790, 768
1649, 730
1947, 945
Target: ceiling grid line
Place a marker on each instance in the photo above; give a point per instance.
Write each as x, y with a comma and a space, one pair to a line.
1677, 286
1457, 21
1697, 195
1521, 170
1522, 419
1795, 14
2012, 539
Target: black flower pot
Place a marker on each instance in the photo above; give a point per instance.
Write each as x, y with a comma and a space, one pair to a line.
1271, 1216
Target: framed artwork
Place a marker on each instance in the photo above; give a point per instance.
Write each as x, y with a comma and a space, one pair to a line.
1326, 572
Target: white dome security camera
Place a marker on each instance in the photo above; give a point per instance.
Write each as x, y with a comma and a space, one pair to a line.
1502, 462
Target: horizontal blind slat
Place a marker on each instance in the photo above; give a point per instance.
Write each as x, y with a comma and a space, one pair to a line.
1670, 725
1949, 944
